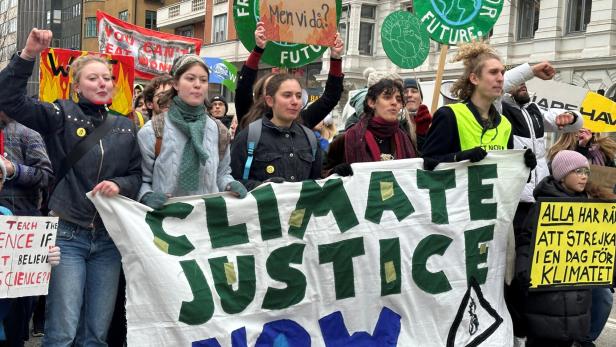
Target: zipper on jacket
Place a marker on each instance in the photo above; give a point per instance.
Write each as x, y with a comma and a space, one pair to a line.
533, 136
98, 176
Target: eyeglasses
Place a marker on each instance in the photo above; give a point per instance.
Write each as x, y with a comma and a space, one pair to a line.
582, 171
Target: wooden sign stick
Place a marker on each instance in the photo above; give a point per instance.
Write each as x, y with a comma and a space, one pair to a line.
439, 78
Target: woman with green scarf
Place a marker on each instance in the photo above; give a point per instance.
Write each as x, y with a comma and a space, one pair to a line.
187, 160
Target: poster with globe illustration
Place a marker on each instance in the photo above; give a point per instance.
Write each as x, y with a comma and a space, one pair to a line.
452, 22
404, 41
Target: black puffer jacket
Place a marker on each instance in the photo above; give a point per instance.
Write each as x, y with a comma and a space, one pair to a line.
559, 314
115, 158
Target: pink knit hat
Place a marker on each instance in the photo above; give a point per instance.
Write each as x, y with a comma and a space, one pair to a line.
567, 161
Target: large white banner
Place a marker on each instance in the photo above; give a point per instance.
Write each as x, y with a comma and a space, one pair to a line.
391, 256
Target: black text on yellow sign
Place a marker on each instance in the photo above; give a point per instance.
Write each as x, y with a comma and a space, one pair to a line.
574, 244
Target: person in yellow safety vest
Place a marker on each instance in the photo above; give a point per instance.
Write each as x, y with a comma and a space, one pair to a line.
468, 129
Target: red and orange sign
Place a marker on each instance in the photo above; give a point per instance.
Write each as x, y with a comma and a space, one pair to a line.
55, 78
309, 22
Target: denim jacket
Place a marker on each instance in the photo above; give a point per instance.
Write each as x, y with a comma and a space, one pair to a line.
62, 124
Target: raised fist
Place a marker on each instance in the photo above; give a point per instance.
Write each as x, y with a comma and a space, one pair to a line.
38, 40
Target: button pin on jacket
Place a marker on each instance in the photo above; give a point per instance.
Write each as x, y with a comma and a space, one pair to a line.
81, 132
270, 169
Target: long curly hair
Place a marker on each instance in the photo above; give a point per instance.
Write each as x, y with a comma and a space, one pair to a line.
569, 141
474, 56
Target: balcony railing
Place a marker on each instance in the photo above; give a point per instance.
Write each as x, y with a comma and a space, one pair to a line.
180, 14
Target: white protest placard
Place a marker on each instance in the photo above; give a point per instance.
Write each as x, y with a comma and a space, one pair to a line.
24, 245
405, 256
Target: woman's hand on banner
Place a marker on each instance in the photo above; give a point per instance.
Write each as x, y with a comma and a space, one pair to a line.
337, 49
260, 39
37, 41
107, 188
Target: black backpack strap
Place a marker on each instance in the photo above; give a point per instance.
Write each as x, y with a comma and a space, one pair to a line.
254, 134
83, 147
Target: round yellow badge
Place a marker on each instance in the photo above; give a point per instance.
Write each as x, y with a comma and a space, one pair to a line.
81, 132
270, 169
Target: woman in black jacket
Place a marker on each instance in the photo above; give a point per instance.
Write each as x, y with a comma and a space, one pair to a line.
83, 286
285, 149
555, 317
246, 97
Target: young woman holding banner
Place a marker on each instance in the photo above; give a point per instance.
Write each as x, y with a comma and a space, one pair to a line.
378, 135
190, 159
250, 103
82, 289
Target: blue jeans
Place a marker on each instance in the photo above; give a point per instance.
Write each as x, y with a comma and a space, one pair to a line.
602, 300
82, 289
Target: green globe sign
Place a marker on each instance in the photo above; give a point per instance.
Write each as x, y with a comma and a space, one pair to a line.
456, 21
246, 15
405, 42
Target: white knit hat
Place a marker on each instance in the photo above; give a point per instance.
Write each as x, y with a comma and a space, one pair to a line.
566, 161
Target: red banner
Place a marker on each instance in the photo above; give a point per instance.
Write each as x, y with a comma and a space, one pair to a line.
153, 51
55, 78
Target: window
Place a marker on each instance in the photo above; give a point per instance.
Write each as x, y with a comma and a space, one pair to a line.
366, 29
174, 11
48, 19
343, 26
4, 5
185, 31
13, 25
408, 6
578, 15
90, 29
123, 15
220, 28
57, 16
528, 18
198, 5
150, 19
13, 3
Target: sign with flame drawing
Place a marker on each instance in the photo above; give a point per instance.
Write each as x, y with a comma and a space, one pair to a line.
55, 77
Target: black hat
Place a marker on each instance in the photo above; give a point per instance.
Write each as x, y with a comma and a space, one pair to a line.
413, 83
221, 99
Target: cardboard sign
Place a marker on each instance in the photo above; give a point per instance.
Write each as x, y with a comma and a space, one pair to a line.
404, 40
391, 256
24, 246
283, 54
153, 50
453, 21
309, 22
574, 244
55, 78
598, 111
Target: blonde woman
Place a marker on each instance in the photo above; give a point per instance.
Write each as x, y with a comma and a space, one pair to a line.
83, 286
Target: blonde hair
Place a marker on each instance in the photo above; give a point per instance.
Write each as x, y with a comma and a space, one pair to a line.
78, 64
569, 141
474, 56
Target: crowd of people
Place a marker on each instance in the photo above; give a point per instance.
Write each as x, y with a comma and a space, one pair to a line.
179, 142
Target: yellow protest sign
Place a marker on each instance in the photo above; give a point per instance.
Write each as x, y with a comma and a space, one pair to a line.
309, 22
599, 113
574, 244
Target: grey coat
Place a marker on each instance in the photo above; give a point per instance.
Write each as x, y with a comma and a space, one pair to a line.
161, 174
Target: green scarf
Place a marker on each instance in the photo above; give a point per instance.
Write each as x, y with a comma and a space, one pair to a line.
191, 122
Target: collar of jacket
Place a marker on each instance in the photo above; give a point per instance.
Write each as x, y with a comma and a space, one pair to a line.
294, 128
495, 117
97, 112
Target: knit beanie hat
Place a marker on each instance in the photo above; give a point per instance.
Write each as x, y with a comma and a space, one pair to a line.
413, 83
373, 76
221, 99
566, 161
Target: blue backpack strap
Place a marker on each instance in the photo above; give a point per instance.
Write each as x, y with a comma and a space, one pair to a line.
312, 138
254, 134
